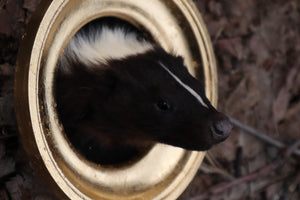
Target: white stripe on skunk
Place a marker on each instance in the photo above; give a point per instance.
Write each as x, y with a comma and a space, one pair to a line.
103, 45
188, 88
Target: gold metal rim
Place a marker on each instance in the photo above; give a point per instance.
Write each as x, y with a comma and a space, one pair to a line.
161, 174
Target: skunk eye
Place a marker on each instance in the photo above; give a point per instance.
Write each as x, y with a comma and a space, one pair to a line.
163, 105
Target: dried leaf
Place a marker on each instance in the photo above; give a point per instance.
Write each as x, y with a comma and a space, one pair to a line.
215, 8
7, 166
4, 195
2, 149
280, 104
31, 5
231, 46
240, 14
18, 188
215, 27
7, 114
6, 70
244, 97
282, 100
10, 17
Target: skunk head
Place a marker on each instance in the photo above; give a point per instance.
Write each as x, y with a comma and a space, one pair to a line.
144, 97
118, 93
156, 96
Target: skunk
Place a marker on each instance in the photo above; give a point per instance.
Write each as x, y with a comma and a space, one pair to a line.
118, 93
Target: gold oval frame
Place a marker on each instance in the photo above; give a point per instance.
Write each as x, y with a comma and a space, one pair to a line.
161, 174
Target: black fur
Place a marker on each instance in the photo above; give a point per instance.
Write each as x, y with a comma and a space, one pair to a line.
116, 111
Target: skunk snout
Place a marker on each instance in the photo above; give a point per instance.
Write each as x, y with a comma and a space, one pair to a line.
220, 129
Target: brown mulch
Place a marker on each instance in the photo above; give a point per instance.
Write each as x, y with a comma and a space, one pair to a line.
257, 45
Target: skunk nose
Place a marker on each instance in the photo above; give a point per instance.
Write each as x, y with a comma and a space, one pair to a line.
221, 129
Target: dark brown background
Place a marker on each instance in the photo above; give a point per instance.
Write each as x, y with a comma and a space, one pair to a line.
257, 44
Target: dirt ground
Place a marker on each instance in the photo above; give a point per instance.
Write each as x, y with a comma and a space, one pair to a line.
257, 45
